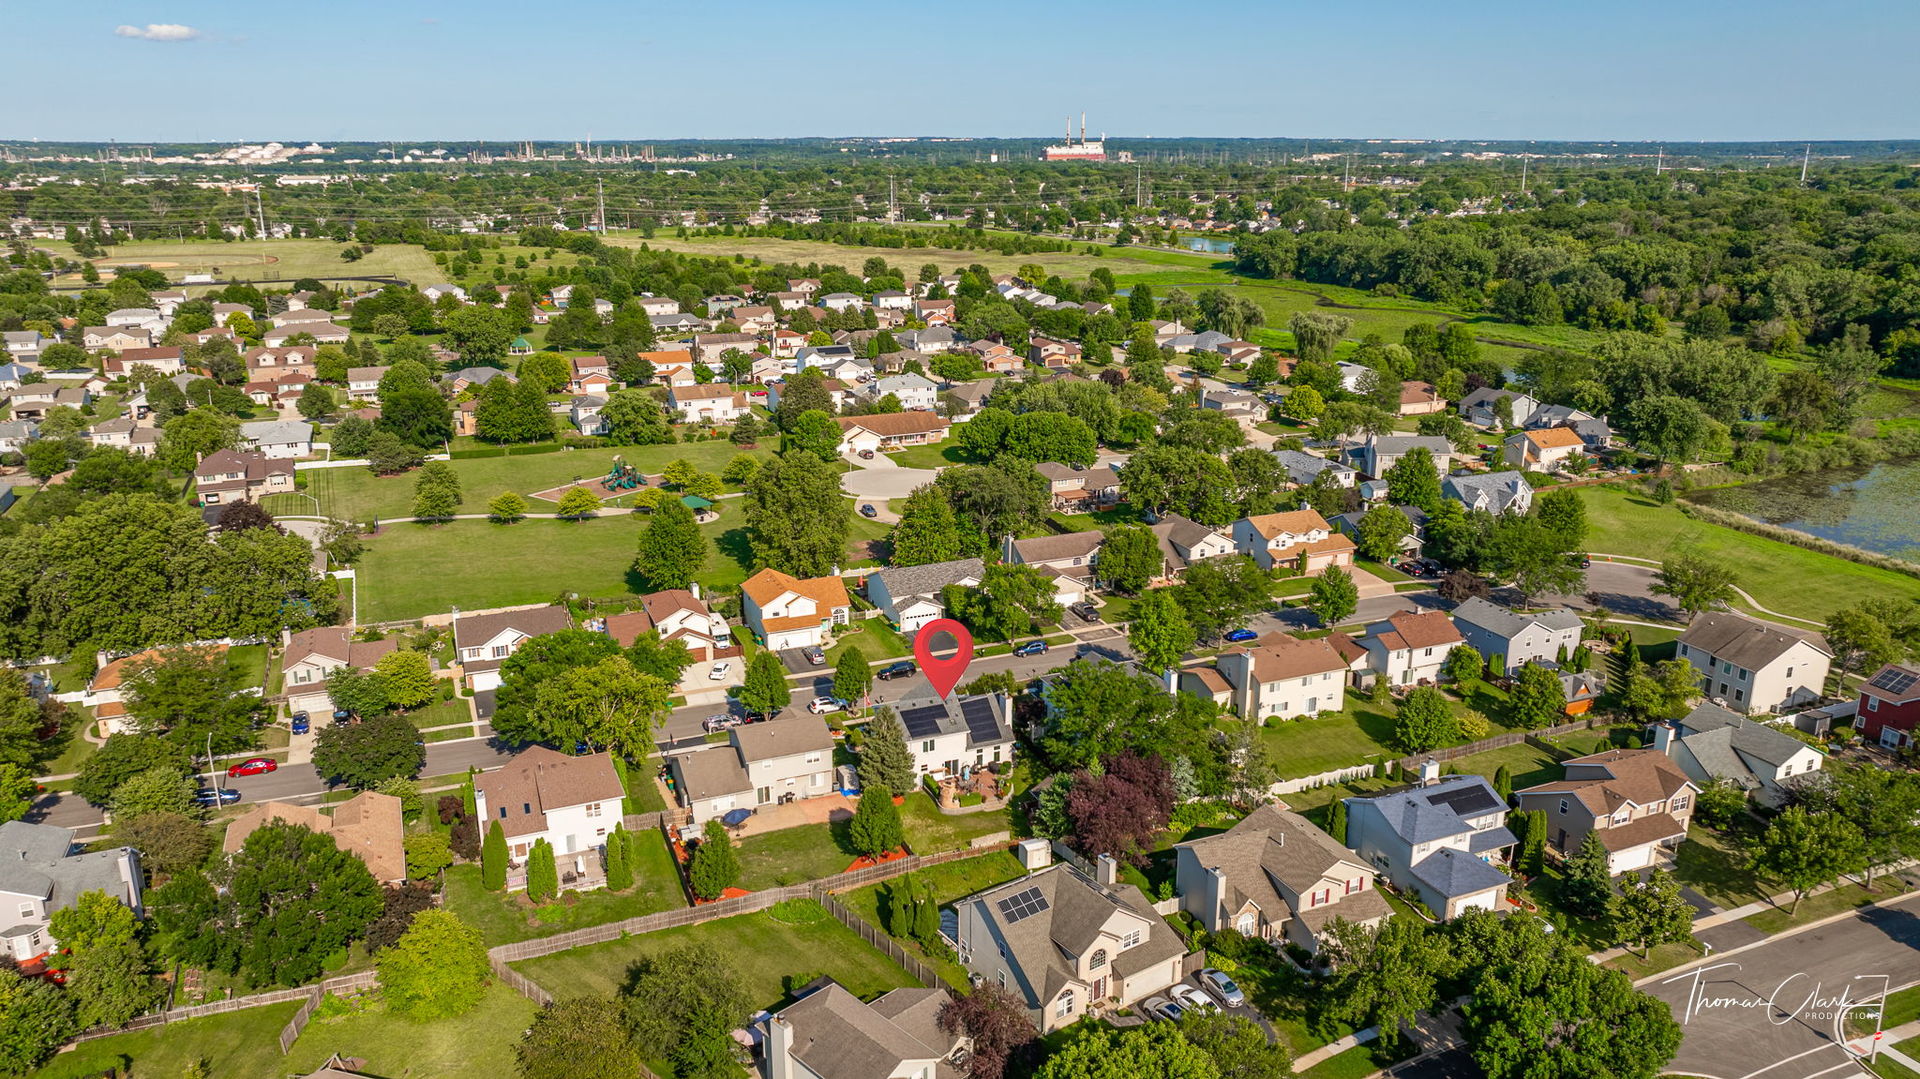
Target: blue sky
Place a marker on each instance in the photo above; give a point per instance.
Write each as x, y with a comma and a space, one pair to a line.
201, 70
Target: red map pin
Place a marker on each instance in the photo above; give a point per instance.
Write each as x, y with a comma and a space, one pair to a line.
943, 673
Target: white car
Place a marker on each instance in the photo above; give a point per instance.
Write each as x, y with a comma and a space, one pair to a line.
720, 671
820, 706
1192, 999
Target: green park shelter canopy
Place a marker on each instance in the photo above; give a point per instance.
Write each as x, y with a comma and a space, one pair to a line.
695, 502
521, 342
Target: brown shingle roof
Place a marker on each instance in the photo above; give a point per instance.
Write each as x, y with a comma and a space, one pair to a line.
783, 738
1296, 523
1613, 778
539, 779
478, 629
888, 424
1282, 657
368, 826
1428, 629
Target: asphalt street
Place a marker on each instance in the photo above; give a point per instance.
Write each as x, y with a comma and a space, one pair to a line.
292, 783
1773, 1011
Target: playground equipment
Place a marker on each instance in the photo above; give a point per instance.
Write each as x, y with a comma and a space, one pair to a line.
623, 477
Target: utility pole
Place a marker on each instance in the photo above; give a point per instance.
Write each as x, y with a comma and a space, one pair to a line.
601, 186
1660, 161
1806, 156
893, 201
1523, 175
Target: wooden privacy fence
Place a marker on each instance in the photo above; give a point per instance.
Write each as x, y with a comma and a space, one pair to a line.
1498, 741
291, 1032
872, 935
503, 954
366, 979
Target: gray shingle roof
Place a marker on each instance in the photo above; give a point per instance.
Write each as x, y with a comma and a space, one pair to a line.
783, 738
1455, 873
38, 864
838, 1037
1501, 489
906, 581
1743, 641
1302, 467
1710, 726
1076, 909
1416, 817
1502, 622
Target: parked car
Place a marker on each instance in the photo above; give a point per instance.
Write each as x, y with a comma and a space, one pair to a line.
1162, 1008
723, 721
301, 724
867, 510
1238, 635
902, 669
1192, 999
719, 671
209, 796
1031, 648
341, 715
1221, 986
816, 656
1086, 612
866, 455
820, 706
254, 766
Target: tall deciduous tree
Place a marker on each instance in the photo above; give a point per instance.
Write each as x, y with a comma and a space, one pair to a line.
1424, 721
1538, 700
996, 1021
364, 753
672, 550
1807, 849
1652, 912
108, 972
1130, 558
1159, 632
1154, 1051
1334, 597
438, 970
797, 519
1695, 582
607, 704
1011, 599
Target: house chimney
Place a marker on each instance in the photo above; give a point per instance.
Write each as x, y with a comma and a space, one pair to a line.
695, 589
1106, 870
1429, 771
779, 1047
1216, 887
1663, 737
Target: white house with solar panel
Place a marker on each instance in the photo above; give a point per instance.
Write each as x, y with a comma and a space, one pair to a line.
1444, 840
952, 736
1068, 945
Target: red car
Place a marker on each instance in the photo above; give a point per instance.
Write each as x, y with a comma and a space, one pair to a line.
254, 767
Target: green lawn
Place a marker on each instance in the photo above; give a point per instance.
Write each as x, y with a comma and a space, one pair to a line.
262, 260
442, 714
1788, 579
949, 882
412, 570
1357, 1063
358, 494
930, 831
774, 956
248, 662
1713, 863
1663, 957
1527, 765
932, 455
247, 1042
1902, 1007
237, 1043
502, 918
1826, 904
1304, 747
875, 637
794, 855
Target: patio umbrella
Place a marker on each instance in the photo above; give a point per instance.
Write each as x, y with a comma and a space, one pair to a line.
736, 818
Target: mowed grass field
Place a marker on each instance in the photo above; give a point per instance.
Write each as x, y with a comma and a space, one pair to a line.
359, 495
265, 260
1788, 579
411, 570
247, 1043
769, 953
771, 249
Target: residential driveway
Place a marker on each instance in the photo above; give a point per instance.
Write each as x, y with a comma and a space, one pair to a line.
1774, 1009
796, 662
882, 478
309, 531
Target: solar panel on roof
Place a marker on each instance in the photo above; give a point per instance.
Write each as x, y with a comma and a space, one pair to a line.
1465, 801
923, 722
1016, 908
982, 724
1894, 680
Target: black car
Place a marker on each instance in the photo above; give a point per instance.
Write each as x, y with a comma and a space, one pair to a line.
903, 669
209, 796
867, 510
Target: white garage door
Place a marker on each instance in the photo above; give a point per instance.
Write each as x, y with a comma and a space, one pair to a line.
1483, 901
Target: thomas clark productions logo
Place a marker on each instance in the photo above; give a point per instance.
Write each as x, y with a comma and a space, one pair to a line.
1798, 997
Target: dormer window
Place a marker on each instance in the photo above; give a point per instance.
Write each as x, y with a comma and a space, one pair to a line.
1131, 940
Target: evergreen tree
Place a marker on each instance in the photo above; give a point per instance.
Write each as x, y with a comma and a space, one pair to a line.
1587, 888
765, 690
885, 762
543, 876
619, 870
1503, 783
715, 865
1337, 824
852, 676
493, 859
875, 828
